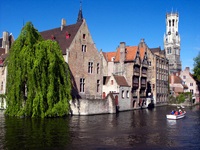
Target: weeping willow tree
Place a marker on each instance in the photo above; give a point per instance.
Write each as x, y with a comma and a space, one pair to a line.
38, 81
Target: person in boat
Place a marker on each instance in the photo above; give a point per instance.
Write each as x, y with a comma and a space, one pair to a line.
176, 113
172, 113
180, 111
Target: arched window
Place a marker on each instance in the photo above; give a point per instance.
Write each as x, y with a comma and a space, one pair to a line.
127, 94
122, 93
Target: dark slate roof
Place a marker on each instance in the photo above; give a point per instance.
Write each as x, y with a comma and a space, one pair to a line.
61, 36
2, 51
162, 52
121, 80
155, 50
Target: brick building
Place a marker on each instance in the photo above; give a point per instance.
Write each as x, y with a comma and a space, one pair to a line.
130, 62
82, 56
189, 81
5, 44
158, 75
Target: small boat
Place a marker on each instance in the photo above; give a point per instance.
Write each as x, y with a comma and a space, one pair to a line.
175, 117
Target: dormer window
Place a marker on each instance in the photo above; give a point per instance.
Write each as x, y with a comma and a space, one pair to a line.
67, 35
113, 58
53, 37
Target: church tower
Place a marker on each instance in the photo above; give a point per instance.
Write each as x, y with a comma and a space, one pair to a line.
172, 42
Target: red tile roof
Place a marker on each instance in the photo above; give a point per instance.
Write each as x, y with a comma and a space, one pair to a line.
62, 36
121, 80
142, 52
130, 53
109, 55
177, 79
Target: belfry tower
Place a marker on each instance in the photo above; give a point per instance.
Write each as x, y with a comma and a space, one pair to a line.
172, 42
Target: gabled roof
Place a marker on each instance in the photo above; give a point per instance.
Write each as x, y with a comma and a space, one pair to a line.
131, 52
64, 37
177, 79
120, 80
142, 52
109, 55
155, 50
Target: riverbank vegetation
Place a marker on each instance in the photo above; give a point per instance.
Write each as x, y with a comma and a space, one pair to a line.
181, 98
38, 81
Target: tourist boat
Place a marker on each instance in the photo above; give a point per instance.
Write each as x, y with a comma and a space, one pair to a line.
175, 117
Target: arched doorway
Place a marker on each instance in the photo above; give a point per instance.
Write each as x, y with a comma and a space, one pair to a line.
116, 103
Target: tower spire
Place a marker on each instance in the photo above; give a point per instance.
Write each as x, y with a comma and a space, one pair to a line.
80, 14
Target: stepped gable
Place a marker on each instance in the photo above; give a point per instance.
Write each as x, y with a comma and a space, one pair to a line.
64, 37
121, 80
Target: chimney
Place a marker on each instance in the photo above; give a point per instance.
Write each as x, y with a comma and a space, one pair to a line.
122, 51
5, 39
63, 23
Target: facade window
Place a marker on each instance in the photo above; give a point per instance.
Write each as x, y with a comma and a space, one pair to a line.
122, 93
97, 68
191, 84
191, 91
184, 77
84, 48
112, 82
84, 36
136, 68
2, 72
90, 67
144, 70
127, 94
134, 93
143, 81
98, 85
149, 63
82, 85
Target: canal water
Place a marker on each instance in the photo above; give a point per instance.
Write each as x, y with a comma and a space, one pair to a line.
138, 130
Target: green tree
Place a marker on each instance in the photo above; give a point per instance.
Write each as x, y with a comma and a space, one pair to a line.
38, 82
196, 68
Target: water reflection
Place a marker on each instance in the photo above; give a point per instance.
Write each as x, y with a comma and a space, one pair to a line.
36, 133
139, 129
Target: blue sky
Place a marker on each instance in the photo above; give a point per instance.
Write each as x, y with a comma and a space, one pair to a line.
111, 21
